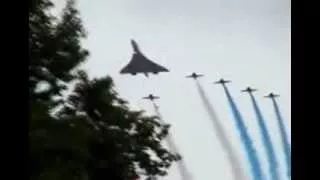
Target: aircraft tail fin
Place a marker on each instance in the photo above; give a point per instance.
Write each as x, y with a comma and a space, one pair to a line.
135, 46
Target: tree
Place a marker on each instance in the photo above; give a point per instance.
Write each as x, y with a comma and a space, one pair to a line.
94, 135
127, 139
54, 47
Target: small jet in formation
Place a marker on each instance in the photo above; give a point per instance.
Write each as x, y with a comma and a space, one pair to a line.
249, 90
140, 64
272, 96
151, 97
222, 81
194, 75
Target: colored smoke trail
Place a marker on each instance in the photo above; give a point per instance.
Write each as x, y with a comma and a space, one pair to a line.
249, 147
284, 137
222, 136
272, 159
184, 172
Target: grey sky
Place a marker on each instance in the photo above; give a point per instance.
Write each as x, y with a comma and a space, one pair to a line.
246, 41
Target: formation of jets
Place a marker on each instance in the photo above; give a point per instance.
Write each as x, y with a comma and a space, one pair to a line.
140, 64
222, 81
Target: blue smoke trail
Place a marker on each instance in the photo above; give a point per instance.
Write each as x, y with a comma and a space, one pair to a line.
284, 137
273, 163
250, 150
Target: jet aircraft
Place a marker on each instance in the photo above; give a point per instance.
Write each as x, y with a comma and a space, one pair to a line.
151, 97
194, 75
272, 95
249, 90
141, 64
222, 81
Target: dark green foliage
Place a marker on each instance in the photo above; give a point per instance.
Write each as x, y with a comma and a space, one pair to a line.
54, 48
94, 135
118, 130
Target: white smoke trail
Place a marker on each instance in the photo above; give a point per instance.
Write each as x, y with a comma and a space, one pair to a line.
222, 136
184, 172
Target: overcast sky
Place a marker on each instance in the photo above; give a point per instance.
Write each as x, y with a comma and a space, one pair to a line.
245, 41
